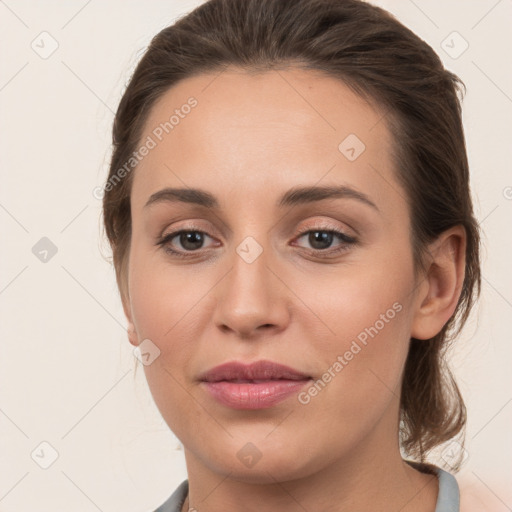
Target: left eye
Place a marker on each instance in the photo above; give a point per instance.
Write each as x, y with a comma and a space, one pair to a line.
321, 239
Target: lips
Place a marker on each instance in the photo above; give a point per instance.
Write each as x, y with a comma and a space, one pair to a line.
259, 371
259, 385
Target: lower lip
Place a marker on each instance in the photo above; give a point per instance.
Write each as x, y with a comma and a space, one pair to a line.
258, 395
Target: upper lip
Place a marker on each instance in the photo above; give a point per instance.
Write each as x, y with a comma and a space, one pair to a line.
259, 370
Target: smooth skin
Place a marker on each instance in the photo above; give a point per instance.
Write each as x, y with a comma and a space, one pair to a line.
250, 139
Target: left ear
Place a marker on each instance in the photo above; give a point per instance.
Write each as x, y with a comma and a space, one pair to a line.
440, 291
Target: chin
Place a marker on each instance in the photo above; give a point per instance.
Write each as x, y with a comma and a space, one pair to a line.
260, 462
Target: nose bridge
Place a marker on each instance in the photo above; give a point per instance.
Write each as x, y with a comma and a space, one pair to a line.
249, 275
250, 294
254, 248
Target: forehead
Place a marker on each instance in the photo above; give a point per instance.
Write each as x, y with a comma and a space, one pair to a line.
262, 132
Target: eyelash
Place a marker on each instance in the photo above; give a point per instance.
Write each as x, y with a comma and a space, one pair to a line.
346, 239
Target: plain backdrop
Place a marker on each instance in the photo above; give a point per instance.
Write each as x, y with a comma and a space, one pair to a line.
67, 376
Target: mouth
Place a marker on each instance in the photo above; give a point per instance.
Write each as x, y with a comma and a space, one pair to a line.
259, 385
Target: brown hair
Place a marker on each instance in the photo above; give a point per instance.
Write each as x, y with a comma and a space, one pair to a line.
365, 47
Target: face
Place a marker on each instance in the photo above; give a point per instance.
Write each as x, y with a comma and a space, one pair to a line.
321, 283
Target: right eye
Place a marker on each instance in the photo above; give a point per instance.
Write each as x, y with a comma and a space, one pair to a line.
191, 241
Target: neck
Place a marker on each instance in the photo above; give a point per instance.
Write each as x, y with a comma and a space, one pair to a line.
357, 481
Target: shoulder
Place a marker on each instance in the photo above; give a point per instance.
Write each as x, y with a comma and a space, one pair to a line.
176, 500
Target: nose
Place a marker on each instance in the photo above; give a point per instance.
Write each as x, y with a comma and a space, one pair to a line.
252, 300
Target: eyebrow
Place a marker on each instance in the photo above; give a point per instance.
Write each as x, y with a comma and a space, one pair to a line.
293, 197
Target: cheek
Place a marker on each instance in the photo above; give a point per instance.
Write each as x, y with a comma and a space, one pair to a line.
163, 298
170, 307
164, 308
365, 324
358, 301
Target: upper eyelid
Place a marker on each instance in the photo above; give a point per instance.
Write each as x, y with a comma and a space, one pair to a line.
325, 226
312, 224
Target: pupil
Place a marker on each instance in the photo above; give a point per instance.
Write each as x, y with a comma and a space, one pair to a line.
320, 236
187, 240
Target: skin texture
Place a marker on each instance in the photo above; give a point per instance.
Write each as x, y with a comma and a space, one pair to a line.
250, 139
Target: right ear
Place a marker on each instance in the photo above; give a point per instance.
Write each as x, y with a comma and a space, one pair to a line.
132, 333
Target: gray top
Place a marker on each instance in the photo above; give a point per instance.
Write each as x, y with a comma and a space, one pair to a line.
447, 498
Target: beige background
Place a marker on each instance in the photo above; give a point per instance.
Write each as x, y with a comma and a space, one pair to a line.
66, 368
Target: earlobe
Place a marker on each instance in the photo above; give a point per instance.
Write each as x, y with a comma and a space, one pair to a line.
132, 333
444, 277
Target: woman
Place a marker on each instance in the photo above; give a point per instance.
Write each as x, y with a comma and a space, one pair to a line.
294, 242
